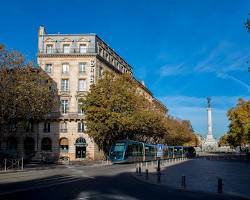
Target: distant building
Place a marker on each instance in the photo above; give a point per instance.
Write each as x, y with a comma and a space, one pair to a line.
74, 62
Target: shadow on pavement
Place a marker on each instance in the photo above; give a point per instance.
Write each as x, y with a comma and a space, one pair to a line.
118, 187
203, 175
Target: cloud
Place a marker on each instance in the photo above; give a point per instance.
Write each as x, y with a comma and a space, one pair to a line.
168, 70
221, 60
240, 82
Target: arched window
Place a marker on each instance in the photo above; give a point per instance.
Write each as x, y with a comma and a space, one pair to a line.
64, 145
46, 144
80, 141
29, 145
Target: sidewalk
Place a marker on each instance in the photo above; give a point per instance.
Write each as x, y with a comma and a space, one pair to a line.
201, 175
40, 166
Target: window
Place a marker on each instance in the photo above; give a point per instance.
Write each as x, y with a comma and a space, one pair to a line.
100, 71
83, 48
106, 56
46, 144
65, 68
80, 111
82, 67
101, 51
66, 48
63, 127
46, 127
65, 85
48, 68
49, 48
81, 85
64, 106
80, 127
29, 126
12, 126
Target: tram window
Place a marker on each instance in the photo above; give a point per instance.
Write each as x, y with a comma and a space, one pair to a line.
119, 147
130, 150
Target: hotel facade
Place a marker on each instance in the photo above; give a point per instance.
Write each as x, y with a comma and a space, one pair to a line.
74, 62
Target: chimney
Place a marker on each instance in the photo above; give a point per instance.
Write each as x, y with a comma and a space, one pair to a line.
41, 30
142, 82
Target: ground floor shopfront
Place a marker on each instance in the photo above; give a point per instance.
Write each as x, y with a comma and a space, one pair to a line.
51, 143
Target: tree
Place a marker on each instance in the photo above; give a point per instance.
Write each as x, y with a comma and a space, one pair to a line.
26, 93
239, 127
224, 140
179, 132
115, 110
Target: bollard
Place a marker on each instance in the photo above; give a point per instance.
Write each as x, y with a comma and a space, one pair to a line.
220, 188
5, 164
183, 182
146, 174
158, 177
139, 170
158, 165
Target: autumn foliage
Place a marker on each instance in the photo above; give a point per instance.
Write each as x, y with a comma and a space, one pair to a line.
239, 128
26, 93
115, 110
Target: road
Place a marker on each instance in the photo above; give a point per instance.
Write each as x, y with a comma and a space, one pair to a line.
113, 182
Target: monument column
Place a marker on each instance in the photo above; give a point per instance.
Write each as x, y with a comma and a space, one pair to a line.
209, 120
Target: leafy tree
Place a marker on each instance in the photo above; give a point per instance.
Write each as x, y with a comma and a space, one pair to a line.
26, 93
114, 110
179, 132
239, 128
224, 140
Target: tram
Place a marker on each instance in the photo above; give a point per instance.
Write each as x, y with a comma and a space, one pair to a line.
129, 151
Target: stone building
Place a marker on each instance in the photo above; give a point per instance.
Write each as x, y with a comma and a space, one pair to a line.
73, 62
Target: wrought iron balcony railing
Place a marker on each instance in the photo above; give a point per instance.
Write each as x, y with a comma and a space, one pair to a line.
67, 51
65, 116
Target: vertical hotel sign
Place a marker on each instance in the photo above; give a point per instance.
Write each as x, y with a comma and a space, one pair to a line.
92, 72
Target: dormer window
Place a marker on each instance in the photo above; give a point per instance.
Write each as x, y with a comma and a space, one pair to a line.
49, 48
100, 51
66, 48
83, 48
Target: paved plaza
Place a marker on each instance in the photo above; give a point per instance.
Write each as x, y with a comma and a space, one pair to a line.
203, 174
109, 182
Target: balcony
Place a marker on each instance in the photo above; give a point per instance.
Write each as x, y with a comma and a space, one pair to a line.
68, 51
66, 116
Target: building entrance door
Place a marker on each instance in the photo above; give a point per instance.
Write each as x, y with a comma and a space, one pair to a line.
80, 147
80, 152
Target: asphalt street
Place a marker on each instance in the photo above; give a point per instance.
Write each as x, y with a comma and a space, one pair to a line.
113, 182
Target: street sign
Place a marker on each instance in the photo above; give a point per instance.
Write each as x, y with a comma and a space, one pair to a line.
160, 148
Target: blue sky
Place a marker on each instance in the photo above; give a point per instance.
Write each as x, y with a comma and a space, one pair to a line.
184, 50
